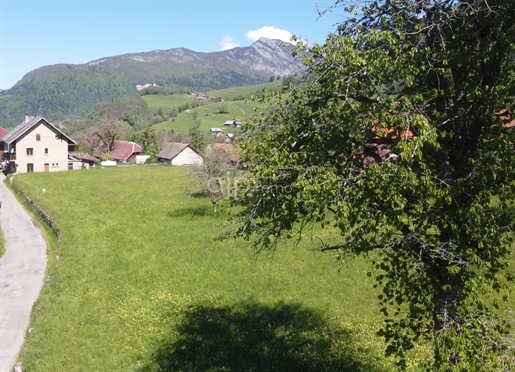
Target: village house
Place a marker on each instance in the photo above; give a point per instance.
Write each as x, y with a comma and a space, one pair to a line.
125, 151
80, 160
176, 153
216, 131
234, 156
35, 145
233, 123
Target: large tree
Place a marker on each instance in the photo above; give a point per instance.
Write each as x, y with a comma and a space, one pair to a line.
148, 139
402, 144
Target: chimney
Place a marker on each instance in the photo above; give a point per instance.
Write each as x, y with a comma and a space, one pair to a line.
27, 117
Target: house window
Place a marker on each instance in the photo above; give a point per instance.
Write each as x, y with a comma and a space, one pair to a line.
38, 137
30, 167
30, 151
46, 151
55, 165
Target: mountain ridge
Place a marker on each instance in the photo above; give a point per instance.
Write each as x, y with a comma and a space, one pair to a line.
66, 91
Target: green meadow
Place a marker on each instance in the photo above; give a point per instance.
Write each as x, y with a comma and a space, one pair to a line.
142, 283
209, 117
235, 93
209, 112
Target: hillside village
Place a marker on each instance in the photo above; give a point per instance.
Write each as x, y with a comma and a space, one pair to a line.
36, 145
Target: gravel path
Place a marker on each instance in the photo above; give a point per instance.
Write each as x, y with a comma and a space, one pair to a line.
22, 269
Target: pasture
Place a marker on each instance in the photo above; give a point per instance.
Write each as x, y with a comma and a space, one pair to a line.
209, 117
208, 112
142, 283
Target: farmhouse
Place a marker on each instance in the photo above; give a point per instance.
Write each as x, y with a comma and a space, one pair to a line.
234, 156
36, 145
125, 151
176, 153
233, 123
79, 160
216, 131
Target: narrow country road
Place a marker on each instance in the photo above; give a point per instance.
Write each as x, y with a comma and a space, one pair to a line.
22, 269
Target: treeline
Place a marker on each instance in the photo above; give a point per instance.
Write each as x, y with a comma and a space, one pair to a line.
165, 90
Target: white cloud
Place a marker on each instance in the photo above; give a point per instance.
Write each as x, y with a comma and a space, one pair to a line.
269, 32
228, 43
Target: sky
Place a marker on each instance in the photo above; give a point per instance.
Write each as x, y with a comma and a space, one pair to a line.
38, 33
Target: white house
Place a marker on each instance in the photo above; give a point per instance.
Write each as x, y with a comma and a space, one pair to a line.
216, 131
36, 145
176, 153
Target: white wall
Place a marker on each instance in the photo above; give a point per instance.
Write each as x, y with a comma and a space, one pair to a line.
57, 157
187, 157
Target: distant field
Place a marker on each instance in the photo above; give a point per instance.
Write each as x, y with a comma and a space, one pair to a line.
236, 92
208, 114
142, 284
166, 103
209, 117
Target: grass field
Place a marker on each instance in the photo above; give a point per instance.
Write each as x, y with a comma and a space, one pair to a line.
166, 103
236, 92
141, 284
208, 113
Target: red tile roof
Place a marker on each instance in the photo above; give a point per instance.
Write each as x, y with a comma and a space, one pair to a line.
123, 150
229, 148
394, 132
3, 132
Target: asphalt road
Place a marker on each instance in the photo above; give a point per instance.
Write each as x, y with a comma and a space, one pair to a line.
22, 270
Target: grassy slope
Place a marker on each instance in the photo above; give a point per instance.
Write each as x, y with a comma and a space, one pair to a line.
209, 118
207, 113
232, 93
166, 103
141, 282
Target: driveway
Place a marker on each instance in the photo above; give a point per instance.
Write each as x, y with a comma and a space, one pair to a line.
22, 269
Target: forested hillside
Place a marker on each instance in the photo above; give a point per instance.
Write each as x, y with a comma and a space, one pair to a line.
63, 91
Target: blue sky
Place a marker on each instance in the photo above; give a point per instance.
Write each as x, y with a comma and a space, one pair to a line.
45, 32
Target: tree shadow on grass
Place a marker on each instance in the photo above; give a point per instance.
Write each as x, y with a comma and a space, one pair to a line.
254, 337
202, 193
190, 211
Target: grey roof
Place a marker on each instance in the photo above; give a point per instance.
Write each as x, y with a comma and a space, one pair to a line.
25, 126
171, 149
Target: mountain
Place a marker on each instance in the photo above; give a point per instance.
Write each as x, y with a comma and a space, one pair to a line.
65, 91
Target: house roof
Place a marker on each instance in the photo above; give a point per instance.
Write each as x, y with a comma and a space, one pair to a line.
123, 150
233, 122
229, 148
27, 125
503, 115
171, 149
393, 133
3, 132
83, 156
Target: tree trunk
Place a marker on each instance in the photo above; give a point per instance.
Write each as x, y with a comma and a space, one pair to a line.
214, 209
